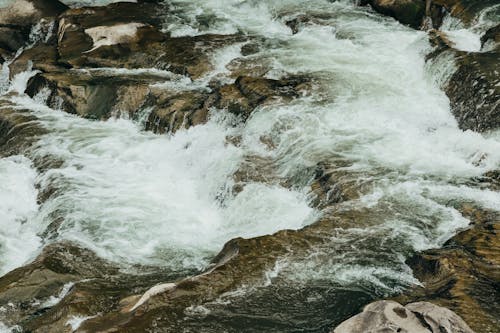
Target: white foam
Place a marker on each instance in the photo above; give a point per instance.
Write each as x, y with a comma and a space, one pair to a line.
76, 321
18, 205
5, 329
135, 197
54, 300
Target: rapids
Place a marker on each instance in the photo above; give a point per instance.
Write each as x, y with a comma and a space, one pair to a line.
376, 114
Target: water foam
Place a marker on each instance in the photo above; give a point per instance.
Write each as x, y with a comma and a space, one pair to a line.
18, 205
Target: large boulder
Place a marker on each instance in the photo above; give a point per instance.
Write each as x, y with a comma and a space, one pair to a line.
390, 316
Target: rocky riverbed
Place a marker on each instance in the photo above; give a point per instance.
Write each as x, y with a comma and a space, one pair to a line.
250, 166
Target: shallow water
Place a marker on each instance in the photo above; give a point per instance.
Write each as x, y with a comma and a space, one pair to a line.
376, 114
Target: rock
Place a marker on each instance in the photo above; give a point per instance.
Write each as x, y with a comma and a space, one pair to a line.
332, 186
92, 95
41, 57
474, 91
465, 10
390, 316
240, 262
59, 264
17, 19
428, 14
66, 281
491, 37
173, 110
408, 12
463, 276
18, 129
125, 34
11, 39
25, 13
474, 87
246, 93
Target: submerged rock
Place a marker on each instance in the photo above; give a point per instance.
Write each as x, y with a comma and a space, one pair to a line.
390, 316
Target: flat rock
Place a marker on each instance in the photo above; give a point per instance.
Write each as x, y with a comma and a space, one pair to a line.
390, 316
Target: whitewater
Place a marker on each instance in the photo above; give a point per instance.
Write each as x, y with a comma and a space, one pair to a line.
376, 114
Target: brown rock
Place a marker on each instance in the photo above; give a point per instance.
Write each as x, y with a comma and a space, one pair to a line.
390, 316
464, 275
474, 91
409, 12
18, 129
92, 95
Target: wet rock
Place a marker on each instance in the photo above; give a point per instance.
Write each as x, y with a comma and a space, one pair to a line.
18, 129
332, 185
474, 91
491, 38
465, 10
66, 282
11, 39
125, 35
17, 19
24, 291
41, 57
173, 111
241, 262
242, 97
390, 316
409, 12
24, 13
91, 95
295, 23
474, 86
463, 276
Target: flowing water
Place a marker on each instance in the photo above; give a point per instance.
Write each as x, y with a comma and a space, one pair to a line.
376, 113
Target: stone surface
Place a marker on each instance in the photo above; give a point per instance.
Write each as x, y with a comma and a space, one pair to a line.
17, 19
464, 275
474, 86
474, 91
18, 129
390, 316
408, 12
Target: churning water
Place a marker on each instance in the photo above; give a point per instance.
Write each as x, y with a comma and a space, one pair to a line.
376, 113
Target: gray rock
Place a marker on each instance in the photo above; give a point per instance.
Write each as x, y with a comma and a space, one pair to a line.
390, 316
